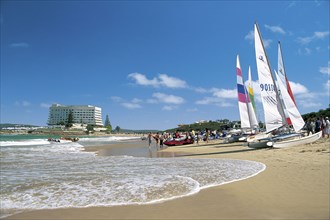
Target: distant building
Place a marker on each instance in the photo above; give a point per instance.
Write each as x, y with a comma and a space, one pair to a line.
200, 122
83, 114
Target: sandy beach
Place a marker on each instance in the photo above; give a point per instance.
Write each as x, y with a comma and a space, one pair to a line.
295, 185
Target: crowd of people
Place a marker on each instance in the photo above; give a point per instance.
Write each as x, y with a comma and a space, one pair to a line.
320, 124
197, 136
312, 126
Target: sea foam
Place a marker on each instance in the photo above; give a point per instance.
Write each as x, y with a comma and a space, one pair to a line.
62, 175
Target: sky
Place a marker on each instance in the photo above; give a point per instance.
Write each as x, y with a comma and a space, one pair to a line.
155, 64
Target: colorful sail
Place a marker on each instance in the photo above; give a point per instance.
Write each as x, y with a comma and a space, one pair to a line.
242, 98
250, 102
290, 107
250, 90
274, 115
247, 113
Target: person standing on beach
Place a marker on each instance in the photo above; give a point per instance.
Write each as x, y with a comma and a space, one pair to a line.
313, 126
323, 125
193, 134
327, 127
149, 138
161, 140
197, 137
317, 125
156, 137
207, 135
309, 127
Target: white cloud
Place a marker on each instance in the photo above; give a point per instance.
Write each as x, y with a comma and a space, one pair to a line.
116, 98
207, 101
170, 99
171, 82
162, 80
45, 105
22, 103
309, 104
213, 101
152, 101
168, 108
267, 43
297, 88
201, 90
131, 105
224, 104
305, 51
326, 69
275, 29
304, 96
250, 37
225, 93
136, 100
141, 79
19, 45
318, 35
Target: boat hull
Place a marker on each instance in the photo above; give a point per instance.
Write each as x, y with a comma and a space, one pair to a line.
258, 144
297, 141
178, 142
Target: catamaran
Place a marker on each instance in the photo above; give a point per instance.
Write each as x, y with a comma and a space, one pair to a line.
282, 112
246, 107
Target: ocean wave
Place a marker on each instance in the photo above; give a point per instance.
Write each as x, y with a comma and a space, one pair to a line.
24, 142
111, 181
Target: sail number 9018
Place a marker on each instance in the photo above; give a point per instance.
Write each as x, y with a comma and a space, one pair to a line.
267, 87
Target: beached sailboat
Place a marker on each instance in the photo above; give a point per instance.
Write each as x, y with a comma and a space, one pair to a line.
246, 109
275, 118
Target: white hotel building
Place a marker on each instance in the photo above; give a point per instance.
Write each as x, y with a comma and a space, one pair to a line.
82, 114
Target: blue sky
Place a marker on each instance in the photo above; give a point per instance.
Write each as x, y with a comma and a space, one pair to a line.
155, 64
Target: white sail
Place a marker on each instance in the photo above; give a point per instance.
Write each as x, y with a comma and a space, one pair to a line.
291, 109
242, 98
280, 67
274, 116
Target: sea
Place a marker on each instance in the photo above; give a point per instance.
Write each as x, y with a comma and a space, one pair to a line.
37, 174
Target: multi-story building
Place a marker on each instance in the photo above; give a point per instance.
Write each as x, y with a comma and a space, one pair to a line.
83, 114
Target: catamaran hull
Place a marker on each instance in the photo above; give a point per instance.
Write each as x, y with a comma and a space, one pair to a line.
296, 141
258, 144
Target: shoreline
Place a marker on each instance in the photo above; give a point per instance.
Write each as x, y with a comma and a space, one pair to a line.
295, 185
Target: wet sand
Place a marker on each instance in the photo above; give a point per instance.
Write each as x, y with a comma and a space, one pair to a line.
295, 185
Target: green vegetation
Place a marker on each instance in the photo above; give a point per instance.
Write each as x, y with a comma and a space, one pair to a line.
107, 124
211, 125
315, 115
117, 129
89, 129
70, 120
